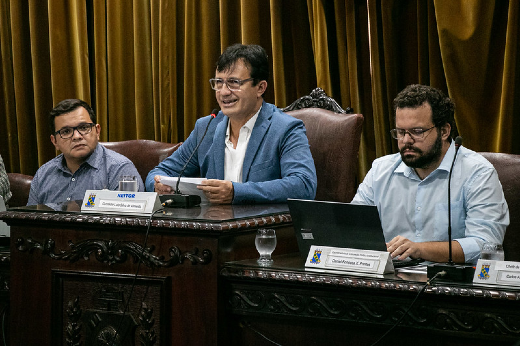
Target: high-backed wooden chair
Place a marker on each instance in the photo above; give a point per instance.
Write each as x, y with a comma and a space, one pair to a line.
334, 138
145, 154
508, 169
20, 185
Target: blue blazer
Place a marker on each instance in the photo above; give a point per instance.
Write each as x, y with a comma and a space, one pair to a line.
277, 165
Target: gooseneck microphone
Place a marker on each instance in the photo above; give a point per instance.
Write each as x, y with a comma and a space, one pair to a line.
451, 271
458, 143
178, 199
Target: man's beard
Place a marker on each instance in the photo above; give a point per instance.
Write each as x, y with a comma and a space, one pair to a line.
424, 159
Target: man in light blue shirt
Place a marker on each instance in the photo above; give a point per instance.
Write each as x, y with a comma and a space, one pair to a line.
410, 188
83, 164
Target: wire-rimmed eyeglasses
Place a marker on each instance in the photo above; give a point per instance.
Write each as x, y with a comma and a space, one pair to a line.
233, 84
417, 133
68, 132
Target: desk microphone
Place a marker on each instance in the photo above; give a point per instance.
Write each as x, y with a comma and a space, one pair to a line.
179, 200
454, 272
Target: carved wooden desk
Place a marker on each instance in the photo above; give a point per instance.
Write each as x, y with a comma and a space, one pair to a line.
291, 306
73, 274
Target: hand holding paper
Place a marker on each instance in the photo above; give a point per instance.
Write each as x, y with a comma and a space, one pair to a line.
186, 185
218, 191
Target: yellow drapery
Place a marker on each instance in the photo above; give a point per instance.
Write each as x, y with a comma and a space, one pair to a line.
144, 65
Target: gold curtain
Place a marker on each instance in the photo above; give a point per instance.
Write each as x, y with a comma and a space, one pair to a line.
467, 48
144, 65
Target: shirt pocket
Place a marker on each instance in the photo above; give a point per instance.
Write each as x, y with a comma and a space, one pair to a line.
458, 221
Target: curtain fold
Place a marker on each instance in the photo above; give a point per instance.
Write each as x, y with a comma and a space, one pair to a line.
144, 65
8, 127
477, 83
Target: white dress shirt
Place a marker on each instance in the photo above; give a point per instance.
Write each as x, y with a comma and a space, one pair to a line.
234, 157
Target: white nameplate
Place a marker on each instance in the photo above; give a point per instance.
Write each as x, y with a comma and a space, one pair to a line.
117, 202
349, 260
499, 273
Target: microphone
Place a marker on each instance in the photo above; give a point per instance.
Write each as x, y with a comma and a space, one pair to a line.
182, 200
458, 143
452, 271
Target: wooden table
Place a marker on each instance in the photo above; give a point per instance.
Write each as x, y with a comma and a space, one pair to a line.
289, 305
73, 275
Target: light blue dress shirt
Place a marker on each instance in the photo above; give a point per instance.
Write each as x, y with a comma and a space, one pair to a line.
54, 182
418, 209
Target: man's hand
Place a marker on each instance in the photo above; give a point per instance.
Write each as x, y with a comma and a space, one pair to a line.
403, 247
161, 189
217, 191
435, 251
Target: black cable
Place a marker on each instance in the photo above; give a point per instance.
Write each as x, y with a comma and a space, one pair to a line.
428, 283
248, 325
135, 276
4, 314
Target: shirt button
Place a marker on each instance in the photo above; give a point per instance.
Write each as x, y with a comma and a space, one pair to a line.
73, 179
68, 198
418, 208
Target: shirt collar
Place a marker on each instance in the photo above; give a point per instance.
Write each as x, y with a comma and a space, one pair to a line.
249, 124
94, 160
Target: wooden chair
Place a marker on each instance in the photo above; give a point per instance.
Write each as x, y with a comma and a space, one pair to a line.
145, 154
334, 138
508, 169
20, 185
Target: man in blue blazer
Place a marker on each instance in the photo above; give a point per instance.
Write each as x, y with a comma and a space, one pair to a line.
252, 152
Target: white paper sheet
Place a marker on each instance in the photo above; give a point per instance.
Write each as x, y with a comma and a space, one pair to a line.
187, 186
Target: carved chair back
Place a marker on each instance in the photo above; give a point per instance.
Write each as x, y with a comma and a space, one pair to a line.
334, 138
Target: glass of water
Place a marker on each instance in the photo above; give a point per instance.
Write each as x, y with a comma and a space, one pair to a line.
492, 251
265, 243
128, 183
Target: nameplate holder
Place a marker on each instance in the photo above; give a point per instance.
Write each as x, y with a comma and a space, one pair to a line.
120, 202
497, 273
349, 260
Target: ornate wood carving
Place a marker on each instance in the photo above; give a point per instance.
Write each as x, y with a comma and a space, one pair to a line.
73, 329
139, 222
312, 306
313, 298
110, 252
103, 322
317, 99
5, 258
366, 282
147, 334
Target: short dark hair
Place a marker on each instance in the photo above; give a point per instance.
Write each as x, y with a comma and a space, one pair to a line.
254, 56
67, 106
443, 108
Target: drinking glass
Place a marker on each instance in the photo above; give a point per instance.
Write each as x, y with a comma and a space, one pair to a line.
265, 243
492, 251
128, 183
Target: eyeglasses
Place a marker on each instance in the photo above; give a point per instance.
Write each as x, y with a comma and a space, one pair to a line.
233, 84
414, 133
68, 132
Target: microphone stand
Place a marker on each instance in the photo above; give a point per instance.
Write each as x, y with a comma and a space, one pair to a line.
177, 199
452, 272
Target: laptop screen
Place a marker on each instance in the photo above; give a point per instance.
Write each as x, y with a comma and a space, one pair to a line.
336, 224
